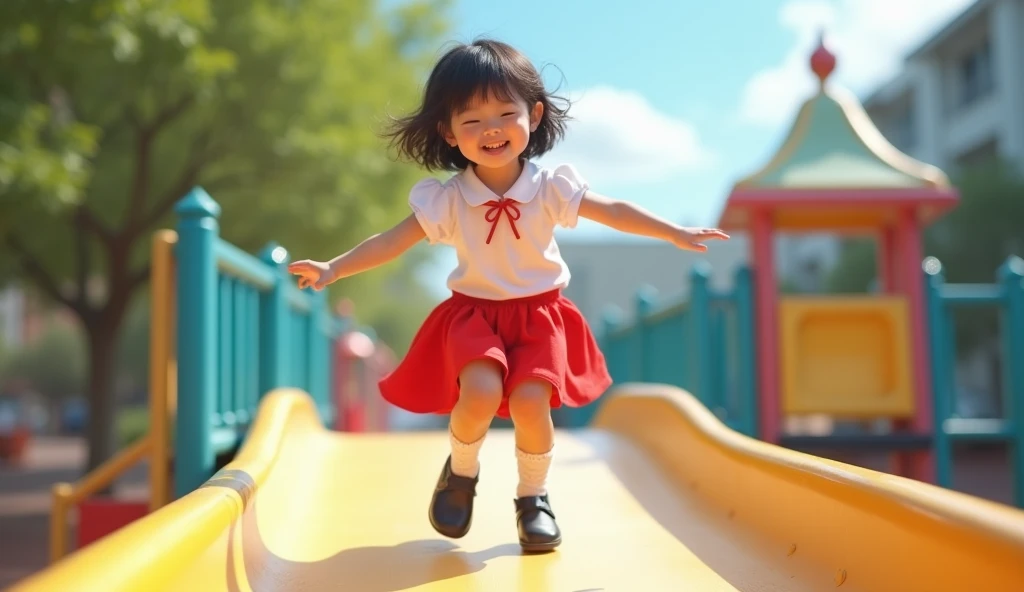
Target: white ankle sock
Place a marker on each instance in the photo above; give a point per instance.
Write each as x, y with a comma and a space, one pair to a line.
465, 456
533, 472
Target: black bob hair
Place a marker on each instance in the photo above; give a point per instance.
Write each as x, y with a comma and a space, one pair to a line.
463, 73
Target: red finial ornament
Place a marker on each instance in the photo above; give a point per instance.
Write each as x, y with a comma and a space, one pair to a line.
822, 60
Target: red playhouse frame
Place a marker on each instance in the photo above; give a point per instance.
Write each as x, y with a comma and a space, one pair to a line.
836, 172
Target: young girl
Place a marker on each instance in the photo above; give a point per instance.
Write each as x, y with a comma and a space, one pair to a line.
507, 342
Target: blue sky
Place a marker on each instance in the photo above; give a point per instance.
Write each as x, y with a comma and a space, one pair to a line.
681, 65
675, 100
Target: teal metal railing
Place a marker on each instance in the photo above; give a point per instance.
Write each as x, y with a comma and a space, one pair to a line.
704, 344
1007, 294
243, 329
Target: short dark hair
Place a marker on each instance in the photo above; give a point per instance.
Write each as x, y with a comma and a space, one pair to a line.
462, 74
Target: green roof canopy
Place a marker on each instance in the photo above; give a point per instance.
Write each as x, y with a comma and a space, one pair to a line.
835, 170
834, 144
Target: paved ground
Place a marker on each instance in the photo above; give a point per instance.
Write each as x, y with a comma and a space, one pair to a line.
25, 503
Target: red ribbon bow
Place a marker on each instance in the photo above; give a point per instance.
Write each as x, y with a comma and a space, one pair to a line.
494, 213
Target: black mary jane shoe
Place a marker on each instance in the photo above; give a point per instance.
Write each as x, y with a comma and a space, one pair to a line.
451, 507
535, 520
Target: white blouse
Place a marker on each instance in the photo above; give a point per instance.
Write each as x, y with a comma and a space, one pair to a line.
505, 245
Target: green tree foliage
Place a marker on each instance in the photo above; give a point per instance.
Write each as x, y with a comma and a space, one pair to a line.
985, 228
133, 347
111, 110
856, 268
972, 241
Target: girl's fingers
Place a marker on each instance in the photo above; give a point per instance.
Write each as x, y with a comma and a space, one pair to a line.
303, 267
309, 274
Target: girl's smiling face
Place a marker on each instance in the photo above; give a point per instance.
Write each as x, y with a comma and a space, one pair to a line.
492, 132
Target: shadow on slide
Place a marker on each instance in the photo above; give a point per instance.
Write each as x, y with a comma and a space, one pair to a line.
656, 495
422, 561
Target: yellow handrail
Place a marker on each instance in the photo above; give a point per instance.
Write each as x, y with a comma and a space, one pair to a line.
65, 495
163, 373
162, 406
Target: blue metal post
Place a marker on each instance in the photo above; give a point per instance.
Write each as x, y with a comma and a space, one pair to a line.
275, 343
242, 334
939, 345
719, 362
318, 363
646, 297
700, 334
1011, 276
611, 322
197, 340
746, 361
611, 317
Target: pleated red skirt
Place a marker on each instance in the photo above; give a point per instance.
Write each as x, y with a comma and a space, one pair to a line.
538, 337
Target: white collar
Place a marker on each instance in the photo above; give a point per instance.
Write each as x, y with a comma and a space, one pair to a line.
523, 190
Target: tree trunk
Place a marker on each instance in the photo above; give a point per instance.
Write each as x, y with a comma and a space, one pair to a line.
102, 438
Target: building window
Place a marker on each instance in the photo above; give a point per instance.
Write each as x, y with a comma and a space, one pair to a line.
895, 120
975, 71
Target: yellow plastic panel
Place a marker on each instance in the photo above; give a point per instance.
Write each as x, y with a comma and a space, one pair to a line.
846, 357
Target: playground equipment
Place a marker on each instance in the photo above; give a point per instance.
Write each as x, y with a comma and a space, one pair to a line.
655, 494
300, 506
885, 355
225, 327
704, 344
1007, 294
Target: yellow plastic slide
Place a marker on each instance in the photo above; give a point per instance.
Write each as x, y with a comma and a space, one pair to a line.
658, 496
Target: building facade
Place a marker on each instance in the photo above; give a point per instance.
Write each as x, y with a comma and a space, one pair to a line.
957, 102
959, 98
609, 274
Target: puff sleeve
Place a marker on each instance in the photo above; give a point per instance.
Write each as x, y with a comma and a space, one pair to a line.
431, 202
563, 193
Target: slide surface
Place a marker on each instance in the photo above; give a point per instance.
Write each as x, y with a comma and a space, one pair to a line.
657, 496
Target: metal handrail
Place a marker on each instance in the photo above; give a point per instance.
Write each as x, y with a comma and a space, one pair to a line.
155, 445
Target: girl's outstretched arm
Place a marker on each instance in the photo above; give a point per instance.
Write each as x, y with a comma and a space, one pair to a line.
372, 252
631, 218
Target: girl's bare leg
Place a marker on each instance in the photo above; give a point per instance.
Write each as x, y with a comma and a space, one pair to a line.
530, 408
480, 392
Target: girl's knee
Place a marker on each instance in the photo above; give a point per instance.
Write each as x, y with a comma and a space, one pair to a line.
480, 387
530, 401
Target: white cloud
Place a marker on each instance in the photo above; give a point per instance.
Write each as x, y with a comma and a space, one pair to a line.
868, 37
617, 136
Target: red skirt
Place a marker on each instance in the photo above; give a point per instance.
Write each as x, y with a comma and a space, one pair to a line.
538, 337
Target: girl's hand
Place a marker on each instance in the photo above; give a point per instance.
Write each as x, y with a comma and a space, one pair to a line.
690, 238
312, 273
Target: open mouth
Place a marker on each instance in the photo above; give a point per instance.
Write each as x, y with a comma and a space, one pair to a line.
495, 148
